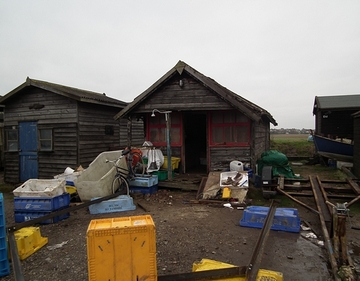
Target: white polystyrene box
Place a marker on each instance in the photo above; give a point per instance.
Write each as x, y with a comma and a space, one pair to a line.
243, 183
41, 188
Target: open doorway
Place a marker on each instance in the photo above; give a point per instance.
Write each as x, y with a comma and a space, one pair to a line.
195, 142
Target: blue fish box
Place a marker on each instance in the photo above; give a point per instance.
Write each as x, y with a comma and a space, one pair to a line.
26, 216
41, 204
120, 203
144, 190
4, 258
285, 219
145, 181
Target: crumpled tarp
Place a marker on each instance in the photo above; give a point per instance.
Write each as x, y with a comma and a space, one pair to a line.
278, 161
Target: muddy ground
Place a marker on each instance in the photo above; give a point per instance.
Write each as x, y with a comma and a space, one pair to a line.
186, 233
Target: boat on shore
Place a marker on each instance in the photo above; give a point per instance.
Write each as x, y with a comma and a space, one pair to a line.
333, 149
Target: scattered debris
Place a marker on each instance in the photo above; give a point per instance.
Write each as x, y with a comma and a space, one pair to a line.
228, 205
57, 246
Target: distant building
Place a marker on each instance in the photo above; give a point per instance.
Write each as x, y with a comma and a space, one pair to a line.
333, 115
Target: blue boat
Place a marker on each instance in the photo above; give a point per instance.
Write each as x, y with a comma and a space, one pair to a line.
333, 149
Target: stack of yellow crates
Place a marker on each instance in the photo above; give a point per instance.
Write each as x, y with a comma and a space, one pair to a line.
122, 249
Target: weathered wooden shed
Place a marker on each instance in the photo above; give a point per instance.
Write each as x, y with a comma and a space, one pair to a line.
49, 127
333, 115
210, 125
356, 163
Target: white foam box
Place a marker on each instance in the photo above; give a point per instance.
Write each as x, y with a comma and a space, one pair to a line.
41, 188
243, 183
121, 203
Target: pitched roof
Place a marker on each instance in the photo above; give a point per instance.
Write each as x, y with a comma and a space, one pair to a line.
337, 102
250, 109
70, 92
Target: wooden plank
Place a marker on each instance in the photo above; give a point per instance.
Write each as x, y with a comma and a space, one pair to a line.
213, 179
201, 187
281, 182
354, 186
296, 200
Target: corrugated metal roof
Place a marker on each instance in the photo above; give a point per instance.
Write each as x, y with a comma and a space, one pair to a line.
70, 92
342, 101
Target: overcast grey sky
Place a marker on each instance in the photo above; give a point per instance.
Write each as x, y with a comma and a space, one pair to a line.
277, 54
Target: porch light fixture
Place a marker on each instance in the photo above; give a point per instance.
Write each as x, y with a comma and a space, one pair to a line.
168, 139
181, 83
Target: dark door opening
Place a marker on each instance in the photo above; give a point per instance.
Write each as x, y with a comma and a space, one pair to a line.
195, 142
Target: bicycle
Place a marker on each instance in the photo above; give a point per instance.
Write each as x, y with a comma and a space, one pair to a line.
124, 174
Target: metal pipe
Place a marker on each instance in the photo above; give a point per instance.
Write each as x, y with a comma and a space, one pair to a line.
168, 142
168, 139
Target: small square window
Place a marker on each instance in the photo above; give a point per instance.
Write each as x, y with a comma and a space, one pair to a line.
45, 139
12, 140
109, 130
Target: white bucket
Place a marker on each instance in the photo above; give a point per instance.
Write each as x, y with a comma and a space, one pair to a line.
68, 171
236, 166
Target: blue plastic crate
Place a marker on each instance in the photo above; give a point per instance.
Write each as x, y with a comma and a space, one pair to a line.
21, 216
120, 203
144, 190
249, 171
285, 219
145, 181
4, 257
41, 204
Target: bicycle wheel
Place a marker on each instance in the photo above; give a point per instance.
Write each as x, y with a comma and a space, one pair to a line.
120, 185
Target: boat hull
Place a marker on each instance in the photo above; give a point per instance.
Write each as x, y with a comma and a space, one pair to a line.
333, 149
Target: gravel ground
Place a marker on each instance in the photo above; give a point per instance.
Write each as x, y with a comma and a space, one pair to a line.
185, 233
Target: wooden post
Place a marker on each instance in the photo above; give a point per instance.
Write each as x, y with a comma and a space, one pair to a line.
129, 132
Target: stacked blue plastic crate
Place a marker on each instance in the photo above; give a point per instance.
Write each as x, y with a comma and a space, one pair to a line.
28, 208
147, 184
4, 259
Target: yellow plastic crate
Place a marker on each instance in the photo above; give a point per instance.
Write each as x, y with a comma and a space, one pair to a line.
174, 163
70, 189
28, 241
268, 275
263, 274
122, 248
207, 264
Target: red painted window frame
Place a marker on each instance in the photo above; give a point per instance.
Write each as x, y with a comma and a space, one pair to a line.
150, 126
226, 125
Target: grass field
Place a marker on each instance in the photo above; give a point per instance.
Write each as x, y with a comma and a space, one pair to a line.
292, 145
289, 137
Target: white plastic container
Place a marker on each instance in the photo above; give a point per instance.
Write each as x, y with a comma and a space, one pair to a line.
96, 180
236, 166
243, 183
41, 188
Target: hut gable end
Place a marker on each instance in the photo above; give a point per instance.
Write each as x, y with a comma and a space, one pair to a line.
184, 79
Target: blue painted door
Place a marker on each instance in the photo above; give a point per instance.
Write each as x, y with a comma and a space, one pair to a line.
28, 150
